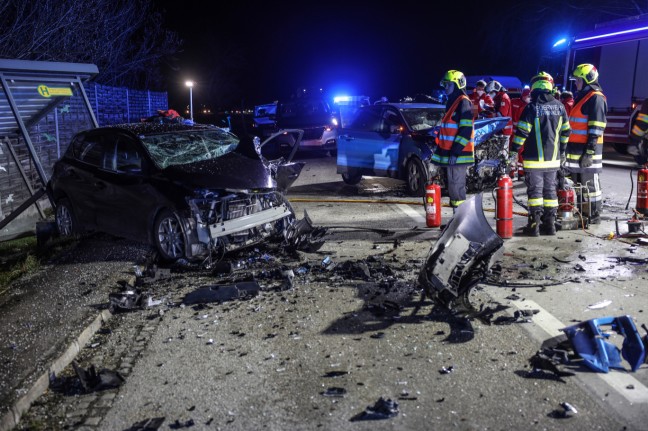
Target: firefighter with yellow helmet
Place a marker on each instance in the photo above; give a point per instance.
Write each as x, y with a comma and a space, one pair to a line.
585, 148
456, 142
542, 133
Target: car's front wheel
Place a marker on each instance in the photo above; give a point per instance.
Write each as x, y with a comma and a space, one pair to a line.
66, 221
351, 178
168, 236
416, 177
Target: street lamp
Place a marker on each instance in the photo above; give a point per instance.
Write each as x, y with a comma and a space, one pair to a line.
190, 84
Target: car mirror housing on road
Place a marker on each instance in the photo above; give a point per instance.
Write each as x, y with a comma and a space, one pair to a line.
462, 256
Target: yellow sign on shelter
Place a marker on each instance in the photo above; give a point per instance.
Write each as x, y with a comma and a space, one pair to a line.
46, 91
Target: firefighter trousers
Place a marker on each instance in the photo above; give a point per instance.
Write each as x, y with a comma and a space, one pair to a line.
456, 175
592, 183
541, 190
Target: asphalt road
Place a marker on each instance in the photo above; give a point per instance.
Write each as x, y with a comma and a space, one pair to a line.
315, 356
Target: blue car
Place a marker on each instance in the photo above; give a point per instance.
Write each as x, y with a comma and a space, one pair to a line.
397, 140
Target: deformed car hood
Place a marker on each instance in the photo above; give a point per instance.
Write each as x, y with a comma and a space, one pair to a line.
230, 171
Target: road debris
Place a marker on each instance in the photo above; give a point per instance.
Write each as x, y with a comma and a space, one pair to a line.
91, 380
152, 424
221, 293
334, 392
599, 305
382, 409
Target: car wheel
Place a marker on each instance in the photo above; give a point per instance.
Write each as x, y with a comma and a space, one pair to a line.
168, 236
416, 177
351, 178
66, 221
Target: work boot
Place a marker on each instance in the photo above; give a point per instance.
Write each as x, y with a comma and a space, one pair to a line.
595, 217
533, 225
548, 222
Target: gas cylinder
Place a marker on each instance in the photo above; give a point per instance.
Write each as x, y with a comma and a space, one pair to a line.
642, 190
504, 207
432, 205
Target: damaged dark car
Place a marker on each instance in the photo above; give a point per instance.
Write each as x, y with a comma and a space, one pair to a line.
192, 191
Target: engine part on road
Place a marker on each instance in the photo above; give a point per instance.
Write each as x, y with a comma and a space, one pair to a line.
461, 257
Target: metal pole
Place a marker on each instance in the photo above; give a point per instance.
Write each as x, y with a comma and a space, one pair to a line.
191, 103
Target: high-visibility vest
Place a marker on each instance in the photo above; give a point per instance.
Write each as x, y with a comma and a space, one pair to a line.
578, 121
450, 128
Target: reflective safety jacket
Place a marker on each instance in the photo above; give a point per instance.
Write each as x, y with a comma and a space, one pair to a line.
587, 120
640, 124
457, 135
503, 108
542, 133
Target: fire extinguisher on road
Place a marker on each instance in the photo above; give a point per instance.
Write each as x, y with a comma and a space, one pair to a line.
504, 207
432, 205
642, 190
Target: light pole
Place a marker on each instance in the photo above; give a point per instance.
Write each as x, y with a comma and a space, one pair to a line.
190, 84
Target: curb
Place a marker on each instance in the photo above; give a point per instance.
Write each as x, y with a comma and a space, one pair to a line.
12, 417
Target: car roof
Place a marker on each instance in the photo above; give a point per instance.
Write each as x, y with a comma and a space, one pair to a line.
155, 128
412, 105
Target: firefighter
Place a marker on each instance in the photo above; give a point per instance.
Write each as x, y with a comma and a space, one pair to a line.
567, 99
585, 148
455, 151
638, 135
542, 134
481, 100
517, 106
502, 106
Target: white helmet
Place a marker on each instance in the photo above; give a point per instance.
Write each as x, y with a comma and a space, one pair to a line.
493, 86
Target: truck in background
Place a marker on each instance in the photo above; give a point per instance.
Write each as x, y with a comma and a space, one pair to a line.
619, 49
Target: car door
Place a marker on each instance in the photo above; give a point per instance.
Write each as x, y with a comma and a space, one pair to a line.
129, 201
366, 143
79, 177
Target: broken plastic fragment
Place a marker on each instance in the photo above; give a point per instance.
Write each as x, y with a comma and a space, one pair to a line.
218, 293
461, 257
569, 409
334, 392
599, 305
91, 380
382, 409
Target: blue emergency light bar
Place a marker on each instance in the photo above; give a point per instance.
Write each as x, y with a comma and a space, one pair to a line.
616, 33
560, 42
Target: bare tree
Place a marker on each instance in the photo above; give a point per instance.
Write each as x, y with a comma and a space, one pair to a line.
124, 38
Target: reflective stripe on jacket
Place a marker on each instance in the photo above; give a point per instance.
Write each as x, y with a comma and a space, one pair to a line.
640, 125
456, 138
542, 133
587, 120
581, 123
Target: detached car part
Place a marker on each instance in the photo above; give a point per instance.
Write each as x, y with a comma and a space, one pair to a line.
461, 257
589, 341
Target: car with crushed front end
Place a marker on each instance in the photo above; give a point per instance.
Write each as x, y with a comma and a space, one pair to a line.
192, 191
397, 140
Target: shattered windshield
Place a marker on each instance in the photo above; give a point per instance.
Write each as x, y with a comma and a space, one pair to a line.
189, 146
422, 118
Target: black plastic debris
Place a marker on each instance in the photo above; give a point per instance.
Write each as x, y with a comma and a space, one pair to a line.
543, 362
519, 316
221, 293
336, 373
462, 256
378, 335
447, 370
382, 409
302, 235
179, 425
152, 424
334, 392
91, 380
566, 411
126, 300
578, 267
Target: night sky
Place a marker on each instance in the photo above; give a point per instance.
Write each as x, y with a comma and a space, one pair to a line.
244, 53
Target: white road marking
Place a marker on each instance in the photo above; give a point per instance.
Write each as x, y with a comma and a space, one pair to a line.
411, 212
619, 381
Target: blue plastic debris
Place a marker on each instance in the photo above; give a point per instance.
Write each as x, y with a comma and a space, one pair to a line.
590, 343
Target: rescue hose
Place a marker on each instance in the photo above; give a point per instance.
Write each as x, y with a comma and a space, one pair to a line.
369, 201
631, 189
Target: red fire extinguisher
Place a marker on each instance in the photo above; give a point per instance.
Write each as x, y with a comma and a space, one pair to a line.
642, 190
504, 207
432, 205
